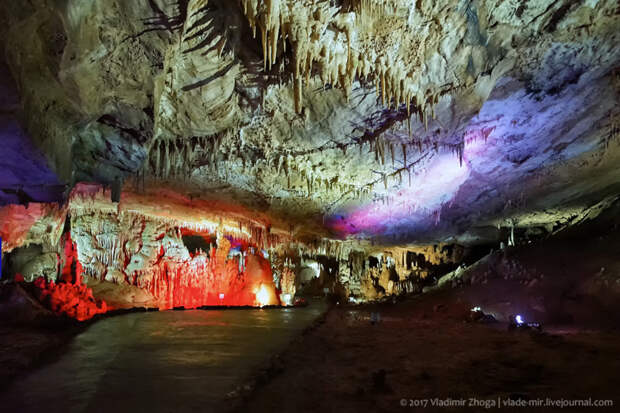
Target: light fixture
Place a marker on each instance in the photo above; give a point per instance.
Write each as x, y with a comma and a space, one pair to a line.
286, 299
262, 295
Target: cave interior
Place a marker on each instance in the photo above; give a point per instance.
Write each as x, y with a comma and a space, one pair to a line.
402, 196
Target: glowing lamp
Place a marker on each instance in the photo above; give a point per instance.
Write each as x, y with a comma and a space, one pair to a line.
519, 319
286, 299
221, 296
262, 295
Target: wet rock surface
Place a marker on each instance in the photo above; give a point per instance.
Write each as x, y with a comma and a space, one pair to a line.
434, 346
418, 353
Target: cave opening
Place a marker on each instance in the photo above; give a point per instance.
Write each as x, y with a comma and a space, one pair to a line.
196, 243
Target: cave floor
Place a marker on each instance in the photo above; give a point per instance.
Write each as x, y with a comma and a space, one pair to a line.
428, 351
171, 361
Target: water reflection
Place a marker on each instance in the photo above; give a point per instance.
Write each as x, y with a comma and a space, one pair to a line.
171, 361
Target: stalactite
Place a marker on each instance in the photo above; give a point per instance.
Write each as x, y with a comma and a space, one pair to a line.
303, 27
166, 159
158, 163
173, 158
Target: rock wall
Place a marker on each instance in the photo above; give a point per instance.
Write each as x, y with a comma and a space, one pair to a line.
358, 273
130, 248
135, 253
167, 252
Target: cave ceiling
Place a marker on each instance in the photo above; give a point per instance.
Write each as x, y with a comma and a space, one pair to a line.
397, 121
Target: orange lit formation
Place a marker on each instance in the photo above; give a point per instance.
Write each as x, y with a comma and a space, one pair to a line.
213, 280
205, 280
140, 246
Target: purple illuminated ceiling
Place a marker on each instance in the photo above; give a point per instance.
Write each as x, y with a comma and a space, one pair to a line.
24, 173
520, 145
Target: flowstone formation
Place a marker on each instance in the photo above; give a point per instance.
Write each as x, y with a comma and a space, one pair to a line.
359, 147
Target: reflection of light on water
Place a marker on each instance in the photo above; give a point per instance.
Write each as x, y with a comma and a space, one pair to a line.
262, 295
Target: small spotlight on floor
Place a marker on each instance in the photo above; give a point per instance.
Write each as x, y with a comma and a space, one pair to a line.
286, 299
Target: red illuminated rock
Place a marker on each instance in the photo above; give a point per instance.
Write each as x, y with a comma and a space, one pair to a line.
73, 300
36, 223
